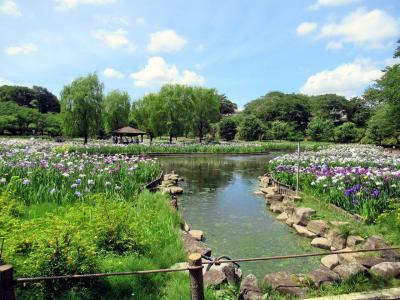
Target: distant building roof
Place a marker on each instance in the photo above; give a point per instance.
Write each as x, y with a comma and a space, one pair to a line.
129, 131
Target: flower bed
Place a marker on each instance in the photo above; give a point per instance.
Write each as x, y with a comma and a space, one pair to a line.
360, 179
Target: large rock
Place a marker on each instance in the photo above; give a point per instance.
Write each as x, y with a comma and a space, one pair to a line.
192, 245
274, 198
268, 190
345, 258
302, 215
369, 261
276, 207
285, 282
319, 227
174, 190
302, 230
282, 217
249, 289
376, 242
322, 276
197, 234
353, 240
337, 239
214, 277
348, 270
386, 269
321, 242
330, 261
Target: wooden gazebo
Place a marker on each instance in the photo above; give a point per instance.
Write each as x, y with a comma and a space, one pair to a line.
120, 136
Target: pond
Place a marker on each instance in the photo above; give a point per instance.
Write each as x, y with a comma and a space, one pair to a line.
219, 199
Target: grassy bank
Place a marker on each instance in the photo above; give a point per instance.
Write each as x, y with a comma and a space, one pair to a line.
239, 148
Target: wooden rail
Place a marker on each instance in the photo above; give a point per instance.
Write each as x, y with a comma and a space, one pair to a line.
8, 283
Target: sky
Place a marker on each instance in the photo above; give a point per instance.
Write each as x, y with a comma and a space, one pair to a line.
244, 49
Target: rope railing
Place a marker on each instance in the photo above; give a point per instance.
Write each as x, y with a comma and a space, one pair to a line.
195, 266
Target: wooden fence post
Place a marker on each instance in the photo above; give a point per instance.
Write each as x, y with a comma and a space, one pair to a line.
6, 283
196, 276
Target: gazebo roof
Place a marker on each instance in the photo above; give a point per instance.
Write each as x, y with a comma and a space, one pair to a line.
129, 130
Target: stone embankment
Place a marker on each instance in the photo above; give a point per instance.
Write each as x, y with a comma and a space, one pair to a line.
214, 274
332, 236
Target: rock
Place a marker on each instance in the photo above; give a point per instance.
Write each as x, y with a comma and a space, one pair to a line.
337, 239
171, 177
322, 276
173, 190
289, 221
345, 258
321, 242
258, 193
390, 255
353, 240
285, 282
214, 277
296, 198
348, 270
197, 234
230, 271
186, 227
368, 261
339, 223
272, 198
330, 261
302, 215
276, 208
282, 217
386, 269
192, 245
319, 227
374, 242
167, 183
249, 288
302, 230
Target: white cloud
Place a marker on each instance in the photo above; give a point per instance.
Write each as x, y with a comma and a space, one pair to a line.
9, 7
306, 28
158, 72
165, 41
113, 73
321, 3
21, 49
361, 27
140, 21
115, 39
69, 4
347, 79
334, 45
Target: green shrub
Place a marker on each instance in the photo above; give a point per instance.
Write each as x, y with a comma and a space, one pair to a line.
282, 131
250, 128
227, 129
346, 133
320, 129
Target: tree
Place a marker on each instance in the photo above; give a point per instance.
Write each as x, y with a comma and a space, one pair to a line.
227, 129
227, 107
358, 111
329, 106
250, 128
346, 133
320, 129
281, 130
81, 104
116, 108
204, 110
148, 115
380, 127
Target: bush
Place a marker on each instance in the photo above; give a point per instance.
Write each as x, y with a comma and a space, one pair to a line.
250, 128
320, 129
346, 133
227, 129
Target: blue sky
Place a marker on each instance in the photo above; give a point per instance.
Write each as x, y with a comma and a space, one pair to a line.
242, 48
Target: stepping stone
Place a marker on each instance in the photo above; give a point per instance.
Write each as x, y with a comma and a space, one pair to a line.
196, 234
191, 245
321, 242
323, 276
302, 230
386, 269
330, 261
319, 227
348, 270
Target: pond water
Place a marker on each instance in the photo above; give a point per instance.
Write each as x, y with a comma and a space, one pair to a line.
219, 199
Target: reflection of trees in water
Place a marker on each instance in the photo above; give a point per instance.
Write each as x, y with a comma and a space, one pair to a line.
213, 171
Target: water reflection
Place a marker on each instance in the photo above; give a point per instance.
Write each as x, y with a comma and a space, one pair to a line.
219, 200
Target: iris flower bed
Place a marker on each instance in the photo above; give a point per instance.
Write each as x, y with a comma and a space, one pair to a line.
361, 179
34, 173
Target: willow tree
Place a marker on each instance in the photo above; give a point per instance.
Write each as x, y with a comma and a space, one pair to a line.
81, 104
116, 108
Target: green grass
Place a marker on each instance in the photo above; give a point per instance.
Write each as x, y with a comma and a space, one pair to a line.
238, 148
